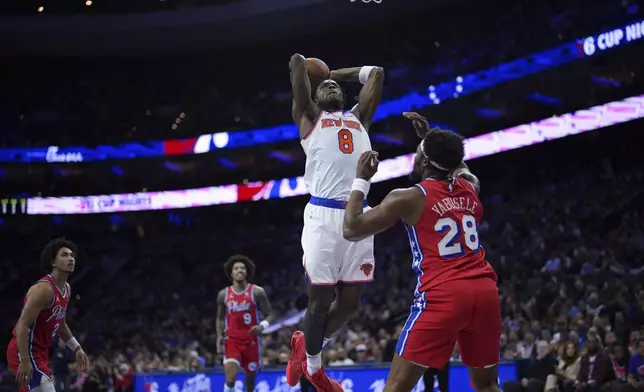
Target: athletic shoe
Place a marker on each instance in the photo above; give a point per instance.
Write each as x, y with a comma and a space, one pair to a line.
321, 381
297, 358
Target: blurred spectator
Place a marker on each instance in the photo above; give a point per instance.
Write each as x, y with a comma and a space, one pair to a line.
338, 357
124, 378
527, 347
60, 366
619, 356
390, 344
534, 379
361, 354
567, 370
596, 367
636, 367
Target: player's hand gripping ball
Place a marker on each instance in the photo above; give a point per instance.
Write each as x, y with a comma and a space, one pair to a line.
318, 71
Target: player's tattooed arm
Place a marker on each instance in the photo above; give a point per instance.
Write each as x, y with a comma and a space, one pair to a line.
265, 308
371, 92
370, 96
464, 172
221, 314
39, 297
264, 304
304, 109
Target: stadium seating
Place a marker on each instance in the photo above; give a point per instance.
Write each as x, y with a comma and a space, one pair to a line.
562, 222
561, 231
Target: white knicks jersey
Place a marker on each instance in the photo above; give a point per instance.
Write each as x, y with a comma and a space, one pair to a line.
332, 150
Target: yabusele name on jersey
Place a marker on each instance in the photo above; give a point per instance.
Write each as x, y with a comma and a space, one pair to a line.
446, 240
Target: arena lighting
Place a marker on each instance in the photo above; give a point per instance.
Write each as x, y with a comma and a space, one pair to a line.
436, 94
513, 138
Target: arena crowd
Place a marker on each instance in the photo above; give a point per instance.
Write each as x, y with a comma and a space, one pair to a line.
563, 233
562, 223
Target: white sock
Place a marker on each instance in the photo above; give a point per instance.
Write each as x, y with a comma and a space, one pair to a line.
313, 363
326, 341
228, 389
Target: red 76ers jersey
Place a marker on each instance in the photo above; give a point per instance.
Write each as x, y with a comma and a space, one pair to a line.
242, 313
47, 324
445, 241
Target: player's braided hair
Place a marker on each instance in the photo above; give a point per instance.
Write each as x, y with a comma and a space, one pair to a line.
50, 251
250, 266
444, 149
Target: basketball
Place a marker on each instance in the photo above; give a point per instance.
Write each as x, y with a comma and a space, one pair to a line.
317, 69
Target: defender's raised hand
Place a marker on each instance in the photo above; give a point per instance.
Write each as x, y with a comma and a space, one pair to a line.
367, 165
419, 122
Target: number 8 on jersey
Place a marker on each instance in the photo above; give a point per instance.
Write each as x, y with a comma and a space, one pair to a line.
345, 141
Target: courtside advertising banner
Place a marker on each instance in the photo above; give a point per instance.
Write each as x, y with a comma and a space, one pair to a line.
352, 379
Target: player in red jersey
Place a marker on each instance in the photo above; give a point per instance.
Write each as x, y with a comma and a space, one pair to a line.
239, 310
456, 298
42, 320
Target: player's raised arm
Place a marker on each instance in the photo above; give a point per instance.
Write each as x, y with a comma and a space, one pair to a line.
304, 109
221, 318
399, 204
421, 125
264, 307
373, 79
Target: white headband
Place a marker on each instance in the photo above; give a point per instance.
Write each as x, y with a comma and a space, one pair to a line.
436, 165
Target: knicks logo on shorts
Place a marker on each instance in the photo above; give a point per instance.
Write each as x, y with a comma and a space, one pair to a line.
367, 268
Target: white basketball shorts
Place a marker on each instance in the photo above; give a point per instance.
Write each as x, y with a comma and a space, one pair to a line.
328, 257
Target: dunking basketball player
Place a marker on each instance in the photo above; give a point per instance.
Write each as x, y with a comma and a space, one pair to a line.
333, 141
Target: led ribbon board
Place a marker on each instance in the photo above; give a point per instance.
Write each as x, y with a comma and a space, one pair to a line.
476, 147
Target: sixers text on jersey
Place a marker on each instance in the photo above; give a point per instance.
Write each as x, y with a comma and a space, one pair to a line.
241, 313
239, 325
241, 346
